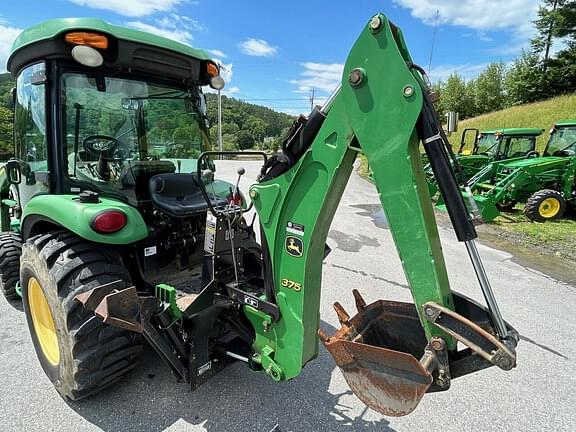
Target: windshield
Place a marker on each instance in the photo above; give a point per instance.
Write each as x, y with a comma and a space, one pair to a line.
562, 142
118, 131
487, 144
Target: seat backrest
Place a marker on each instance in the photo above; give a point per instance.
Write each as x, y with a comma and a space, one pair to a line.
136, 175
174, 185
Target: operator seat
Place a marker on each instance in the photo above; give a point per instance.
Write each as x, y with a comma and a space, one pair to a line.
179, 195
136, 175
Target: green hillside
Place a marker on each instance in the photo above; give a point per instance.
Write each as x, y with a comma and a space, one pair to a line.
539, 114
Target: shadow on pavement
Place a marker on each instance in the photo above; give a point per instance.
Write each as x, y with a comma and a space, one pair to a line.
236, 400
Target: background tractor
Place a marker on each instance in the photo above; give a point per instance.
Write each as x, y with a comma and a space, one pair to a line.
545, 184
489, 146
125, 237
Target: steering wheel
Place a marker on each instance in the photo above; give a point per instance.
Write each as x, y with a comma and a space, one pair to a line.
531, 154
101, 145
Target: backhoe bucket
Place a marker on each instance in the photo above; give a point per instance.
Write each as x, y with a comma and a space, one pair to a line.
378, 352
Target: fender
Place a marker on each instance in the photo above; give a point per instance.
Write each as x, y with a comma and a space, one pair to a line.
68, 212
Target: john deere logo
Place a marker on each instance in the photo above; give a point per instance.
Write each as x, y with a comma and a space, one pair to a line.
294, 246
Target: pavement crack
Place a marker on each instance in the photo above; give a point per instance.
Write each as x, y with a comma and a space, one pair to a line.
370, 275
544, 347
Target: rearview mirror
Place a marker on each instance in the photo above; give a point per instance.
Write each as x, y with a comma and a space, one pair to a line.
13, 173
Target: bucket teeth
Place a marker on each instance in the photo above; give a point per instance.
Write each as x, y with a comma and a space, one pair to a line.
323, 337
360, 302
343, 316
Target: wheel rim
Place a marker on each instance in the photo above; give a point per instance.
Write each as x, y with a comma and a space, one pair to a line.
43, 322
549, 207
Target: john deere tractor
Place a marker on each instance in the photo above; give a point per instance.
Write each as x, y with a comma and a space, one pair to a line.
489, 146
545, 184
126, 238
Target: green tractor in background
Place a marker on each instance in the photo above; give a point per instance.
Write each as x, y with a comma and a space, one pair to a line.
545, 184
489, 146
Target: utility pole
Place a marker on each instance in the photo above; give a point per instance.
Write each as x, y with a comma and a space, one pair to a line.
433, 39
220, 145
312, 99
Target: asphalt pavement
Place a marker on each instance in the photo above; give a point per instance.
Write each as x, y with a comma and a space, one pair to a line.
538, 395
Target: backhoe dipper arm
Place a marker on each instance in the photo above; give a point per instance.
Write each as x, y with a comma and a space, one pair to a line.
376, 110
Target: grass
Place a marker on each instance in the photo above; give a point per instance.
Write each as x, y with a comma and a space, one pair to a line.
552, 237
537, 115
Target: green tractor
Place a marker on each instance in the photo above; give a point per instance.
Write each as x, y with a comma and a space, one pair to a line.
545, 184
489, 146
117, 235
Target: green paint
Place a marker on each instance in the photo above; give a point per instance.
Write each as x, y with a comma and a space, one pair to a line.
53, 28
382, 119
75, 216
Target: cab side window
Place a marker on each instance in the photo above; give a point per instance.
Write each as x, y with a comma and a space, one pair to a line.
30, 118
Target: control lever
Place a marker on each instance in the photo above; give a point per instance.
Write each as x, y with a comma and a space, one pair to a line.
236, 200
208, 178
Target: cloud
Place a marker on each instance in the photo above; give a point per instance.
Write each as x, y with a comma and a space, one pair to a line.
467, 71
133, 8
7, 36
515, 16
171, 26
258, 48
217, 53
319, 76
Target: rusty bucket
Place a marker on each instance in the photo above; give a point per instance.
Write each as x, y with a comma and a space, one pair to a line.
379, 351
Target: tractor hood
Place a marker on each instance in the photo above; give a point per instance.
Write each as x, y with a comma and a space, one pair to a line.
520, 163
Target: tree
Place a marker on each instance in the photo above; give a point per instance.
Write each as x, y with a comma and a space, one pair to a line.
455, 96
6, 129
245, 140
523, 80
489, 91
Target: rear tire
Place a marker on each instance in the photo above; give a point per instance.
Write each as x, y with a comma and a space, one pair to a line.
10, 251
80, 354
546, 204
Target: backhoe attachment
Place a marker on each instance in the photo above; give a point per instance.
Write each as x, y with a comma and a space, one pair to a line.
390, 353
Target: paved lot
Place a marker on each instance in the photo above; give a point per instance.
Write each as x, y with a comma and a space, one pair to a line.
538, 395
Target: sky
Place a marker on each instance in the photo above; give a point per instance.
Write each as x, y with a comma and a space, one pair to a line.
275, 52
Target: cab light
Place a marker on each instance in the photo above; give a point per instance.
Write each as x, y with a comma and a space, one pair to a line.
93, 40
109, 221
212, 69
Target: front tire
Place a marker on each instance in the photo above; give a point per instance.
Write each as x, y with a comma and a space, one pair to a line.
546, 204
80, 354
10, 251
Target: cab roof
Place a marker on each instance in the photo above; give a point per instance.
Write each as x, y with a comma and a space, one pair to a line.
515, 131
565, 123
51, 29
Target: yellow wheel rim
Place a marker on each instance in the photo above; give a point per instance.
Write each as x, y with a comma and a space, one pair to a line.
549, 207
43, 322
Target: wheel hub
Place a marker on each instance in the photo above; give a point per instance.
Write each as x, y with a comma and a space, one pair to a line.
549, 207
43, 322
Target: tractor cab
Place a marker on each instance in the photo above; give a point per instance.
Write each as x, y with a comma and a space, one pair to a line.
105, 109
562, 141
507, 143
